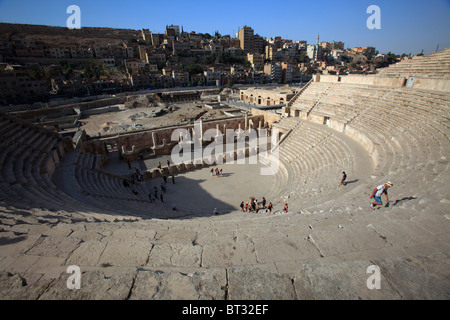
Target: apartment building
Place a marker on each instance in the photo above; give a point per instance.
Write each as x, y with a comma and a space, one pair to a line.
180, 77
332, 45
213, 77
246, 39
18, 86
286, 72
256, 60
274, 71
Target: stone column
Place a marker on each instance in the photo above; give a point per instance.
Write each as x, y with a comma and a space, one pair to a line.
154, 139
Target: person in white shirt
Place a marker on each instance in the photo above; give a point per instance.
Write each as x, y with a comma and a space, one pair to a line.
376, 195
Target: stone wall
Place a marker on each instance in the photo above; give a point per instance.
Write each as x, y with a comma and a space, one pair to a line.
432, 84
159, 140
360, 79
376, 80
30, 114
269, 117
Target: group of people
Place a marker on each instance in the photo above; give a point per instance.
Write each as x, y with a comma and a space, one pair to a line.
163, 187
215, 172
160, 164
254, 206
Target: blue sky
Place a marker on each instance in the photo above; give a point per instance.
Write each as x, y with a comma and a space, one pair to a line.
407, 26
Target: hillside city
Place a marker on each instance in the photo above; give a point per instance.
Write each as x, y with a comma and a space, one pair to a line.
42, 64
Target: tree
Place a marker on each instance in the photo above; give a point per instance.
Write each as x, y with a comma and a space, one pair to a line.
230, 81
68, 71
193, 68
211, 59
36, 71
196, 59
303, 57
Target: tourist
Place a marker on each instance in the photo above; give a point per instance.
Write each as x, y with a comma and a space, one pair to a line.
242, 206
344, 177
285, 209
220, 171
174, 208
163, 188
376, 195
173, 179
168, 163
246, 207
125, 183
162, 198
269, 207
212, 172
150, 198
159, 165
165, 178
129, 164
156, 192
215, 211
264, 202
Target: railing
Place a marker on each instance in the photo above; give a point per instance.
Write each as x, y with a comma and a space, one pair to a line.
291, 102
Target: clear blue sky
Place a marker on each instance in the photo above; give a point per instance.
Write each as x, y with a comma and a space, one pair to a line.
407, 26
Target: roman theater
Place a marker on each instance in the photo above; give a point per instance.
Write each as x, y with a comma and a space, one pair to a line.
78, 189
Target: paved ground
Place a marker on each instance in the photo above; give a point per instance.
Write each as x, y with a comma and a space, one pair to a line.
199, 191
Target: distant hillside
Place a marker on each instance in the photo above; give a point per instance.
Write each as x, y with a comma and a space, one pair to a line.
84, 35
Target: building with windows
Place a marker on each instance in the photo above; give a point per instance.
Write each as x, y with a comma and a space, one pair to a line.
266, 97
246, 39
274, 71
256, 60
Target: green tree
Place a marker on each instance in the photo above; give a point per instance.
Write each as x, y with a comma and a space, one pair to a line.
36, 71
193, 69
211, 59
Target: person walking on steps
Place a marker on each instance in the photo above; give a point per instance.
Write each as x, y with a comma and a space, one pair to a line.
376, 195
344, 177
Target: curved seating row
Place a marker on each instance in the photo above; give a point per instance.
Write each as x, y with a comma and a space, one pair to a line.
406, 131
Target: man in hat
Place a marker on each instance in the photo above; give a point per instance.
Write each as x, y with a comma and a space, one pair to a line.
376, 195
